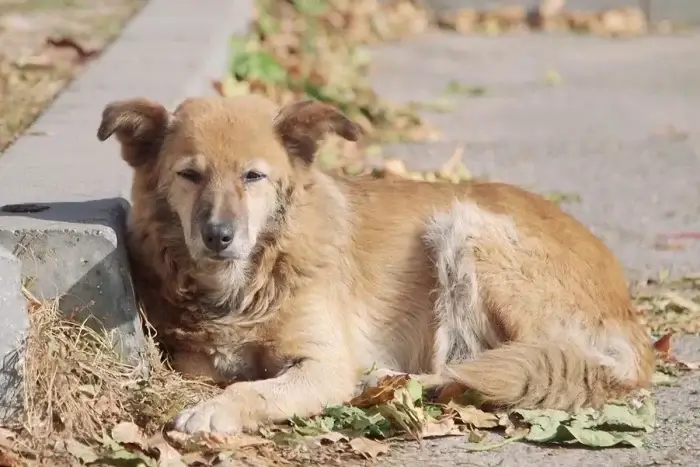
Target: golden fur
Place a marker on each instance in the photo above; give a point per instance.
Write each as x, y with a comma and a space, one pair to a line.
318, 278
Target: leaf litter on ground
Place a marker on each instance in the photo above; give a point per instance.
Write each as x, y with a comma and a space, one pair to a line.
551, 15
669, 305
393, 407
388, 407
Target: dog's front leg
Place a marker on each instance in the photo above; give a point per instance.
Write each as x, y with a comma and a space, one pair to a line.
304, 390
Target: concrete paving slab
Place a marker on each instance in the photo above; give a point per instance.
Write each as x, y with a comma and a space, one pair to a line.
621, 131
65, 194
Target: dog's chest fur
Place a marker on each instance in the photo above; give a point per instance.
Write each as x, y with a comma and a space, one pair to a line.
224, 333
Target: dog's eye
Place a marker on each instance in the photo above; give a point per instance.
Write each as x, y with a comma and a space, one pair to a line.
190, 175
253, 176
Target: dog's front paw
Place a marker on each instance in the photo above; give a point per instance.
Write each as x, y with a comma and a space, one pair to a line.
220, 415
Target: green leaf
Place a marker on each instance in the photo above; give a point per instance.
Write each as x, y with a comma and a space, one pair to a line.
309, 426
545, 429
311, 7
249, 62
268, 25
356, 421
603, 439
560, 197
432, 410
659, 378
616, 423
622, 418
415, 390
455, 87
541, 416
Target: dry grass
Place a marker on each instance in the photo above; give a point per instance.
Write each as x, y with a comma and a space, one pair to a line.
33, 68
76, 385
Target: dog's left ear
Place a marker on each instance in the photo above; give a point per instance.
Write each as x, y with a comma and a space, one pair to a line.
302, 125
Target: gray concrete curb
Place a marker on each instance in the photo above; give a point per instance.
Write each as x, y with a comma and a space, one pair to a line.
65, 238
13, 313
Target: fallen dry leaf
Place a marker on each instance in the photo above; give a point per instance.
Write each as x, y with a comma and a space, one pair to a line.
470, 415
451, 163
168, 456
80, 451
395, 167
681, 302
663, 345
331, 437
218, 87
550, 8
669, 305
380, 393
128, 433
436, 429
84, 53
368, 448
210, 442
6, 436
689, 366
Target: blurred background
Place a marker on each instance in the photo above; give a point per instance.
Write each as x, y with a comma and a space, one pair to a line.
592, 103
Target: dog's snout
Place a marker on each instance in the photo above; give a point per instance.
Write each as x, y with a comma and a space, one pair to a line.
217, 236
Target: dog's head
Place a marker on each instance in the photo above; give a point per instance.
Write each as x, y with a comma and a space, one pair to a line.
223, 165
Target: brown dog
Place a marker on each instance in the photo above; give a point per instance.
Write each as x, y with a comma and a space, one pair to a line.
286, 283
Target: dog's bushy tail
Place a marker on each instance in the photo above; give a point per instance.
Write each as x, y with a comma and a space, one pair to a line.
553, 375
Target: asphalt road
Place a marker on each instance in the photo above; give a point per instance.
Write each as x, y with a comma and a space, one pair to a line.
621, 130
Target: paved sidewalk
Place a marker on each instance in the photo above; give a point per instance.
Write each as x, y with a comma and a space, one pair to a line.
621, 130
685, 11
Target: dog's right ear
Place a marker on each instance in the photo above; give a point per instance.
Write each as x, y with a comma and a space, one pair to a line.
140, 126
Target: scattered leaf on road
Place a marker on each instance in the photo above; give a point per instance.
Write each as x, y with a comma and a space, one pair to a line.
80, 451
210, 442
436, 429
83, 52
471, 416
168, 456
553, 78
368, 448
663, 345
128, 433
455, 87
659, 378
616, 423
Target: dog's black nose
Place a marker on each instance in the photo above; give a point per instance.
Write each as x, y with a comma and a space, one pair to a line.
217, 236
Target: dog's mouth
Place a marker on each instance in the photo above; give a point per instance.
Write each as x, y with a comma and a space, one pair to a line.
222, 256
225, 256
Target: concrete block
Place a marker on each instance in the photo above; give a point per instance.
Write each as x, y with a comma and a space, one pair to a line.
13, 327
65, 195
84, 265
